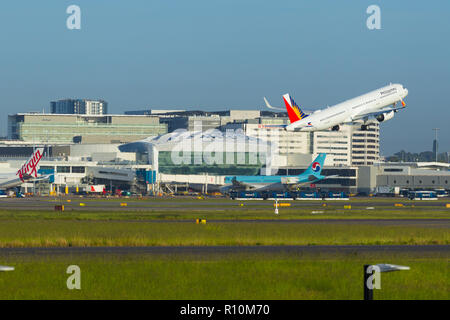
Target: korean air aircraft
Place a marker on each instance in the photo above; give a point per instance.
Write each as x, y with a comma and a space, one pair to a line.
380, 104
277, 183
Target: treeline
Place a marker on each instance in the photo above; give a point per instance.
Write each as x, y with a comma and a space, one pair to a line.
426, 156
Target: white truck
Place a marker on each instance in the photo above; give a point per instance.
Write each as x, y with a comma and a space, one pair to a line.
387, 191
97, 188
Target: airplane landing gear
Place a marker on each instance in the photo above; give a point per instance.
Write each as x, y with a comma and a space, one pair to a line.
335, 128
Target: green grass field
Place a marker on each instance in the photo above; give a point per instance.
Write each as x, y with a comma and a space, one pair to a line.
254, 276
63, 233
214, 276
138, 227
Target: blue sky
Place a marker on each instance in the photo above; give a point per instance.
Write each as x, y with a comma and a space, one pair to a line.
216, 55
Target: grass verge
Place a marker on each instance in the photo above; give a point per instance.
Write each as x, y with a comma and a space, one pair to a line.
256, 276
66, 233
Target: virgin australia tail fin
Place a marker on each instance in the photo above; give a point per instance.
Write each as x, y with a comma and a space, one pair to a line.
30, 167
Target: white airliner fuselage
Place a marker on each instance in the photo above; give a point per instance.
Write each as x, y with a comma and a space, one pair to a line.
356, 110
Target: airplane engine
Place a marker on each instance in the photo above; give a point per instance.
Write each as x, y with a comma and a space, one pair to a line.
385, 116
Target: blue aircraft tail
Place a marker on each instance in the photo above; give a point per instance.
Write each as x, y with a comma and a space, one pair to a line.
316, 166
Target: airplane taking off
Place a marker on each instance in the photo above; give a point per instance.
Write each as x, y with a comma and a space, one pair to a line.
25, 173
277, 183
379, 104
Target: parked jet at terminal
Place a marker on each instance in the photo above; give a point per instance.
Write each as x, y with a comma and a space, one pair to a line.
27, 172
380, 104
277, 183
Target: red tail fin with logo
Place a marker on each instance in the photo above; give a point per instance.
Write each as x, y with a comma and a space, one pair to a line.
294, 112
30, 167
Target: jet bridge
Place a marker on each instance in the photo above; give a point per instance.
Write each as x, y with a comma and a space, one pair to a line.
107, 173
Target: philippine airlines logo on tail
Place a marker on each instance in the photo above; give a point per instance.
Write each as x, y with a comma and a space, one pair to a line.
30, 167
294, 112
315, 166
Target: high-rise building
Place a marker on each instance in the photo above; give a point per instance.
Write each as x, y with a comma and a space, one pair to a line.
336, 144
366, 145
79, 106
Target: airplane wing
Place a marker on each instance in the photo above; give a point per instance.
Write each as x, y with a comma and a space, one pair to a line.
287, 183
313, 178
374, 114
239, 185
43, 177
332, 176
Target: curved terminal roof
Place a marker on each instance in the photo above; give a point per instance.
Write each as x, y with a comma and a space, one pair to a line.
167, 141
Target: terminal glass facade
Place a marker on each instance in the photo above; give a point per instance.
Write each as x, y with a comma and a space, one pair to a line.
65, 133
44, 128
242, 163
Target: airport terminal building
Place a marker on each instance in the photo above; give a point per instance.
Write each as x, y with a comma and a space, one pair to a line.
78, 128
202, 148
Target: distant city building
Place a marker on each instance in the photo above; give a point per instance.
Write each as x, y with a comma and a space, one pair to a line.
79, 106
61, 128
435, 149
151, 111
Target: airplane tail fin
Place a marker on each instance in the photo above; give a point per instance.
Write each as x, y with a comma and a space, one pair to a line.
293, 110
30, 167
315, 168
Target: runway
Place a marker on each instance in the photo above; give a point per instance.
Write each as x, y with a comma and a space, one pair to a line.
443, 223
211, 250
220, 204
424, 223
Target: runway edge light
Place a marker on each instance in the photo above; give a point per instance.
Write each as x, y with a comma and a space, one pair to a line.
6, 268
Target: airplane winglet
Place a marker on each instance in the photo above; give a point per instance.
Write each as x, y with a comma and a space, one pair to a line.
270, 107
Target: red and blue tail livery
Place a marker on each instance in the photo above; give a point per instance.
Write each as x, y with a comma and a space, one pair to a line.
315, 167
293, 110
